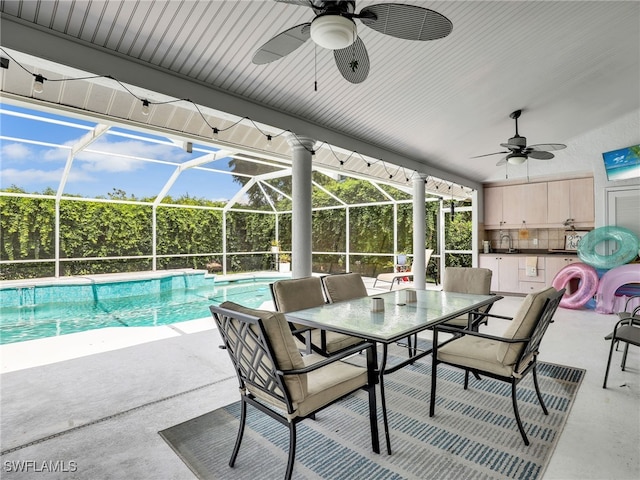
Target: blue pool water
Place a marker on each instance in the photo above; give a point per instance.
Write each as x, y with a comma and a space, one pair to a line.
29, 313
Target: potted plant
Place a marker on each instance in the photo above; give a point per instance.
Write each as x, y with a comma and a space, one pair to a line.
275, 246
284, 264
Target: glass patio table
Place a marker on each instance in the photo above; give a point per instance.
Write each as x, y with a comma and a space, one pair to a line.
402, 317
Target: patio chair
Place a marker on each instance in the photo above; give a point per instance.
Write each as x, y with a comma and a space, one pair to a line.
509, 357
277, 380
468, 280
299, 293
397, 276
626, 330
343, 286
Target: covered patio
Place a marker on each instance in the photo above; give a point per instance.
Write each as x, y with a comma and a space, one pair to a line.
107, 424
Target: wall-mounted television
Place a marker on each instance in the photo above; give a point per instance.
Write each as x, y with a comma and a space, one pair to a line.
622, 164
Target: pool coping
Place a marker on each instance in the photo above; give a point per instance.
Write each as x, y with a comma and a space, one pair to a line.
43, 351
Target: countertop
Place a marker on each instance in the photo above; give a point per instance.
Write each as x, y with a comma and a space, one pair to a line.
531, 251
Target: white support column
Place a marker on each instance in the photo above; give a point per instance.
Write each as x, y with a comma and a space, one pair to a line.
347, 247
441, 240
395, 232
224, 242
301, 248
419, 233
57, 239
475, 228
154, 237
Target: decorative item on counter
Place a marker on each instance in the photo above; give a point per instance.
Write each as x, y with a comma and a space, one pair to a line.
486, 246
572, 239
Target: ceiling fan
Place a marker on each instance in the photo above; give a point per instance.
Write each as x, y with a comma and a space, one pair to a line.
334, 28
518, 151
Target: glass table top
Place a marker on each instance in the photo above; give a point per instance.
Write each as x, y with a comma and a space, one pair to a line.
399, 318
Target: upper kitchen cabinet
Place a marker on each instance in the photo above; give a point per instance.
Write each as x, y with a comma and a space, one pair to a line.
512, 205
493, 207
571, 200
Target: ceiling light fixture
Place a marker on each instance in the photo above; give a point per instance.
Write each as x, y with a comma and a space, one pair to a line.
38, 85
333, 31
516, 158
145, 107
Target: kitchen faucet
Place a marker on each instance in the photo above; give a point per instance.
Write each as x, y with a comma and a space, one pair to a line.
508, 237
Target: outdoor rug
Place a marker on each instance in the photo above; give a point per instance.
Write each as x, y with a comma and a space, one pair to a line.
472, 435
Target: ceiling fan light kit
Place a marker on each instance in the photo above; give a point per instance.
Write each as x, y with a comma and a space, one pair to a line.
333, 31
516, 158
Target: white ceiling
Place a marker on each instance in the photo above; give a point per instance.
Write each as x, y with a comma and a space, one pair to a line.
573, 67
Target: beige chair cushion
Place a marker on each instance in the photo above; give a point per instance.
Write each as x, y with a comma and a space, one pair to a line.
286, 352
297, 294
475, 353
344, 286
329, 383
466, 280
492, 355
335, 341
522, 325
308, 391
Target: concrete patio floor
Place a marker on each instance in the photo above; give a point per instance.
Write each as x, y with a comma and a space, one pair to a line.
97, 408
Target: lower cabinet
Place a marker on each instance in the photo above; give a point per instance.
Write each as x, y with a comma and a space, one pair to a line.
557, 263
505, 271
531, 280
510, 273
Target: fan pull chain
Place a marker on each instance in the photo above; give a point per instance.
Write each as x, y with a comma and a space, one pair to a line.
354, 62
315, 67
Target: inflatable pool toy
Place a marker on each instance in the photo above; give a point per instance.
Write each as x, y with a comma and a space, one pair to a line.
587, 286
611, 281
627, 250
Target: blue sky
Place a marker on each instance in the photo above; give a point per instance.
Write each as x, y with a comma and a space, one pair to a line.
36, 166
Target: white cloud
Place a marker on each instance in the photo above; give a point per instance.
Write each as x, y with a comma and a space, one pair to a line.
15, 151
23, 178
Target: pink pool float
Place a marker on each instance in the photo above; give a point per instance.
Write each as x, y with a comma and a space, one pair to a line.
587, 277
612, 281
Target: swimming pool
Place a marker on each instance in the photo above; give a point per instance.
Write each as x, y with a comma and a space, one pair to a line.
40, 311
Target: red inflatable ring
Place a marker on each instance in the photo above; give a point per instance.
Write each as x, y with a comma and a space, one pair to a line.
587, 286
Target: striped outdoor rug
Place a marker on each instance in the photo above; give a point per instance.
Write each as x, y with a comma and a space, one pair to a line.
473, 434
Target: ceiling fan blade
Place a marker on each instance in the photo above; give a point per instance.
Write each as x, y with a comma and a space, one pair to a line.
488, 154
502, 162
302, 3
540, 155
353, 61
512, 146
408, 22
282, 44
547, 147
